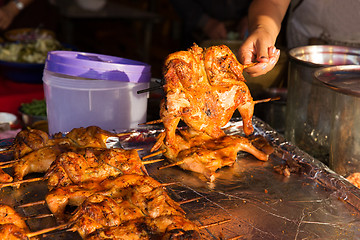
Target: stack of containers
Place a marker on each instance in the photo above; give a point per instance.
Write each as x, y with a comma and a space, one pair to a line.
84, 89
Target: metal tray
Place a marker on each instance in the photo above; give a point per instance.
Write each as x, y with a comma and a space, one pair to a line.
312, 203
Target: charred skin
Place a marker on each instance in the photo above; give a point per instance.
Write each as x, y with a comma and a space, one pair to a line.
204, 88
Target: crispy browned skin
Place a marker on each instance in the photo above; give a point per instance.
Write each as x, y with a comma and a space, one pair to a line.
36, 151
74, 195
91, 136
10, 231
28, 140
99, 211
37, 161
202, 154
204, 88
167, 227
122, 217
93, 165
12, 225
4, 177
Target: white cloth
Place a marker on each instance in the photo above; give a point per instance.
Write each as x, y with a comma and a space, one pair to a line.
335, 21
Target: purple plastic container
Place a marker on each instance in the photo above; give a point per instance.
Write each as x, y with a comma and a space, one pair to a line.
84, 89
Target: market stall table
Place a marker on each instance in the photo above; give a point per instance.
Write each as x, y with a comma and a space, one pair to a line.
311, 203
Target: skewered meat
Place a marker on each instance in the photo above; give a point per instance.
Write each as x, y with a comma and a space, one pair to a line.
4, 177
36, 161
93, 165
99, 211
200, 153
91, 136
204, 88
74, 195
167, 227
12, 225
29, 140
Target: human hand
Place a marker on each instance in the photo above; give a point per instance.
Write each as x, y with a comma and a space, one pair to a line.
215, 29
259, 47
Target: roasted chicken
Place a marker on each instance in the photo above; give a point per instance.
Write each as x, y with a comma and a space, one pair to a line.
204, 88
5, 177
202, 154
37, 161
167, 227
28, 140
99, 211
12, 225
93, 165
74, 195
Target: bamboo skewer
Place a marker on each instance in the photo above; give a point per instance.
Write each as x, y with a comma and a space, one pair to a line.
8, 162
39, 216
153, 161
46, 230
214, 224
266, 100
67, 227
172, 165
42, 202
21, 182
7, 165
154, 154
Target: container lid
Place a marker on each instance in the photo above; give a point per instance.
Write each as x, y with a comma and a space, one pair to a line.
344, 79
325, 55
97, 66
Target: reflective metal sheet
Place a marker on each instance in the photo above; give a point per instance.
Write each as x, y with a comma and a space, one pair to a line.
312, 203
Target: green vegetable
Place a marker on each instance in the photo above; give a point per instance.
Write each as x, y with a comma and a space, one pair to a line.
34, 108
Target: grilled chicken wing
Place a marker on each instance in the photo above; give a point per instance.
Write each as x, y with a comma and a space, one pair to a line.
36, 161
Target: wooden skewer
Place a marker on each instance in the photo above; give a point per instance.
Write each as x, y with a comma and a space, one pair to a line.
42, 202
46, 230
152, 122
214, 224
7, 165
249, 65
6, 150
267, 100
8, 162
21, 182
190, 200
154, 154
39, 216
152, 161
172, 164
123, 134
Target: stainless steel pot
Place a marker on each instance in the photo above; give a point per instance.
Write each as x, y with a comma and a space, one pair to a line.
309, 103
344, 83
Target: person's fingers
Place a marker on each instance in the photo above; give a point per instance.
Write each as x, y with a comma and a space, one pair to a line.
264, 67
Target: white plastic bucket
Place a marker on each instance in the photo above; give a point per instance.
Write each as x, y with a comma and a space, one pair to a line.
84, 89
